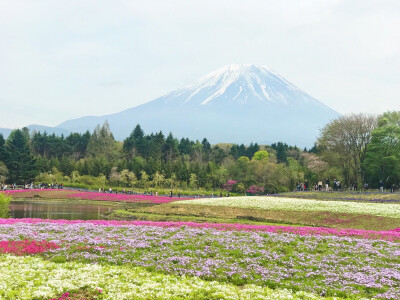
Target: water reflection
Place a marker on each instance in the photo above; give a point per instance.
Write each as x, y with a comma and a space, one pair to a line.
57, 210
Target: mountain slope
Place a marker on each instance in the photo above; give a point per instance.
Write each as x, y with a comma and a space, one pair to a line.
5, 132
238, 103
50, 130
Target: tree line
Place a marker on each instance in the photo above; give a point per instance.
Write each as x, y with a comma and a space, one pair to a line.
356, 149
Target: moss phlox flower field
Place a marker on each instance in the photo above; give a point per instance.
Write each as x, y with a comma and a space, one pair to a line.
318, 265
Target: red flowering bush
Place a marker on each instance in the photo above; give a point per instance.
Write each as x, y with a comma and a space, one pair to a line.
255, 190
228, 186
26, 247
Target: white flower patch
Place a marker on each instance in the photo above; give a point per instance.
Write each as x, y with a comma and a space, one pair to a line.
116, 282
293, 204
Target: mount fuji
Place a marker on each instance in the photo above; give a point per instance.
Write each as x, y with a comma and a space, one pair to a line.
235, 104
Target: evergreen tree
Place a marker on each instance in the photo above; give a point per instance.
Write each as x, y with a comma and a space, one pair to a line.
81, 148
3, 154
206, 149
102, 142
206, 146
253, 148
155, 145
135, 144
170, 149
217, 154
238, 151
281, 151
20, 162
185, 146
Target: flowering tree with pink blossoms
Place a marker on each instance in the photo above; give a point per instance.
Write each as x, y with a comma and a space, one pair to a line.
229, 185
255, 190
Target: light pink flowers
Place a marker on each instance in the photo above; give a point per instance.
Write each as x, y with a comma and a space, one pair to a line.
389, 235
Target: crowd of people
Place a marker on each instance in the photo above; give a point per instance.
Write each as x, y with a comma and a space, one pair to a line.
324, 185
5, 187
31, 186
56, 186
153, 193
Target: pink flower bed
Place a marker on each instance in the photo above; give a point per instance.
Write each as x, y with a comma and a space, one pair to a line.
390, 235
26, 247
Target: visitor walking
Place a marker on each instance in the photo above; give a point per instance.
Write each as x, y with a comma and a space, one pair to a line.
327, 184
320, 185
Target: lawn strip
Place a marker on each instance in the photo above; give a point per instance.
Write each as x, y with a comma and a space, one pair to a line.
132, 215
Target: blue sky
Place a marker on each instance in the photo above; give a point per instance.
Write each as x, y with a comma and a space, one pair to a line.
65, 59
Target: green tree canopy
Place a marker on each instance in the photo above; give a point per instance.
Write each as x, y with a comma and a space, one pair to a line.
343, 142
3, 153
102, 142
382, 160
261, 155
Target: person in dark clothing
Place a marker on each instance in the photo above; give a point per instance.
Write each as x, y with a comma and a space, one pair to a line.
327, 184
381, 185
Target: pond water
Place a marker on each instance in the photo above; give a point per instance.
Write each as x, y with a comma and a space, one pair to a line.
57, 210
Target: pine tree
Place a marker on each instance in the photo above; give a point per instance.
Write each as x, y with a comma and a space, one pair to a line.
170, 148
135, 144
3, 154
20, 162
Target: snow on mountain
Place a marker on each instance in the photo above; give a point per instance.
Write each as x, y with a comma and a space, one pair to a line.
237, 82
240, 84
238, 103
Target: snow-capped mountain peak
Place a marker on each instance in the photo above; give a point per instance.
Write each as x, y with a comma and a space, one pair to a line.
237, 103
239, 83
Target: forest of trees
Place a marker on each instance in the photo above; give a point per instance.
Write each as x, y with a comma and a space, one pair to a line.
355, 149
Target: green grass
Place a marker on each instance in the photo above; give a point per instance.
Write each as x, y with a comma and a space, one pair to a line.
129, 215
